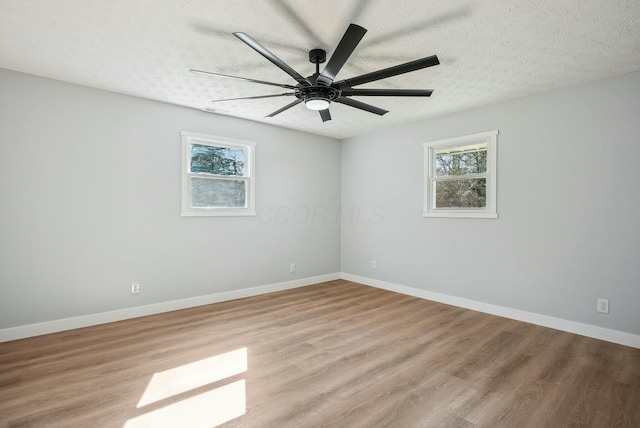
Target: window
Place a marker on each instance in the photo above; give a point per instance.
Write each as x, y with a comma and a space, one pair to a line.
460, 176
217, 176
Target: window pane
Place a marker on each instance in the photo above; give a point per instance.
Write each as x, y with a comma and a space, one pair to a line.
461, 193
213, 193
217, 160
461, 163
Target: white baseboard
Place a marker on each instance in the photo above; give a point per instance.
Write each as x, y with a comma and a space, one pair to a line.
30, 330
595, 332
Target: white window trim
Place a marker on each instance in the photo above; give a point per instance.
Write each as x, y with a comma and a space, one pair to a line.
490, 211
189, 138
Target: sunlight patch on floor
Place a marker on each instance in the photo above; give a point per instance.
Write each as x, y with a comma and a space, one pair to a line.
206, 410
194, 375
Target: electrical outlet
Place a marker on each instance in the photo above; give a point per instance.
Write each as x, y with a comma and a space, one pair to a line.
374, 265
135, 288
292, 267
603, 306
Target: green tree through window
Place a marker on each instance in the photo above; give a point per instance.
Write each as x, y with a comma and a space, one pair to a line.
217, 160
467, 193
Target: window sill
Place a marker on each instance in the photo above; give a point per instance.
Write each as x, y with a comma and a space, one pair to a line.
226, 213
460, 214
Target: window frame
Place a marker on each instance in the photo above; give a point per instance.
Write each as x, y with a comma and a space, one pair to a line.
191, 138
490, 138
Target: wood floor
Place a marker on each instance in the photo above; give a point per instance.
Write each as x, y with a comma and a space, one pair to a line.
336, 354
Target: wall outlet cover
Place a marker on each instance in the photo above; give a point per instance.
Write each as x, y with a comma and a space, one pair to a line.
603, 306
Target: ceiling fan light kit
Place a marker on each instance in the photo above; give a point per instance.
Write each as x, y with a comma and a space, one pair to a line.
316, 103
320, 89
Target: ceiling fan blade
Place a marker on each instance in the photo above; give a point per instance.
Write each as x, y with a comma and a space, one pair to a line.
325, 115
343, 51
254, 98
391, 71
287, 107
243, 79
271, 57
360, 105
387, 92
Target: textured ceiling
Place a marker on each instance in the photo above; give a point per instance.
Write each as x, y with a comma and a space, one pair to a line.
490, 50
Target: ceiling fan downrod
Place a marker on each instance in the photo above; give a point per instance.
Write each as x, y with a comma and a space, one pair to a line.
317, 97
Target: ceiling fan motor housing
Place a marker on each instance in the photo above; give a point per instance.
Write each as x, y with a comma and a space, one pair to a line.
307, 93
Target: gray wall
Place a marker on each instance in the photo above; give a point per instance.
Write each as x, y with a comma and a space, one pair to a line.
90, 201
568, 201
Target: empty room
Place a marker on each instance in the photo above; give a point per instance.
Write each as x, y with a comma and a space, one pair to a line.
319, 213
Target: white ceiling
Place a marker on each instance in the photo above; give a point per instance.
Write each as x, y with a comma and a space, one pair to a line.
490, 50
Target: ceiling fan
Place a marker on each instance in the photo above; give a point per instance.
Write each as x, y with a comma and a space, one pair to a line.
319, 90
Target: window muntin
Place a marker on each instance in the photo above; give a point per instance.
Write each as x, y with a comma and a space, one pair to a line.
218, 176
460, 177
